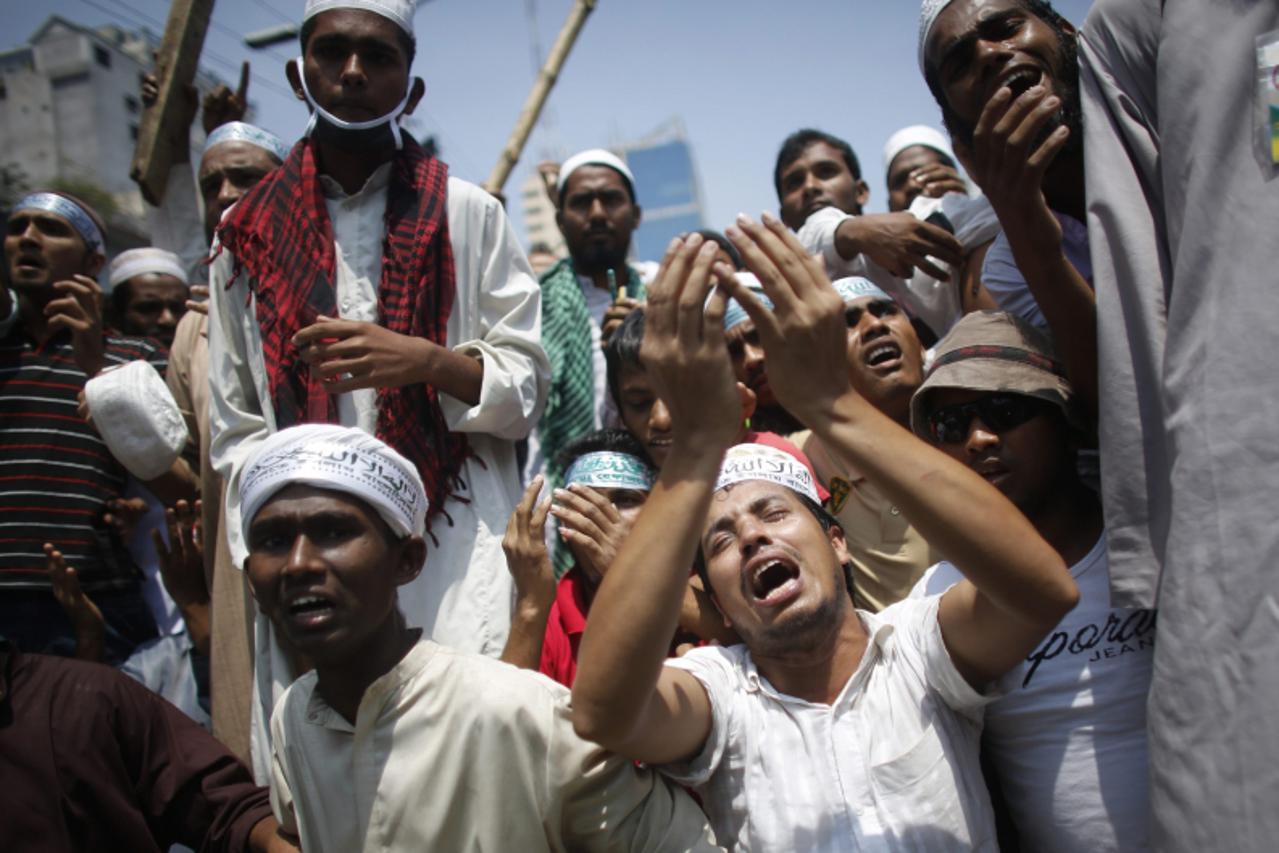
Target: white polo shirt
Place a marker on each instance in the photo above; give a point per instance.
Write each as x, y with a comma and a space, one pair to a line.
891, 765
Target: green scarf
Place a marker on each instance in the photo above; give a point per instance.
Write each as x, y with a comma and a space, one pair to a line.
570, 405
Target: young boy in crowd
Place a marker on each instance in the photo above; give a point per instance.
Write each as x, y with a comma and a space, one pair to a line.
395, 742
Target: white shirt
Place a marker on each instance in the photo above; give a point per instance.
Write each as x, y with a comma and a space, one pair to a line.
1007, 286
463, 596
456, 752
891, 765
935, 302
1067, 737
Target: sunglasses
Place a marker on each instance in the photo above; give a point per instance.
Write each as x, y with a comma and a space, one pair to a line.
998, 412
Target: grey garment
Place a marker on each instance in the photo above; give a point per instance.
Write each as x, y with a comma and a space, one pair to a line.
1183, 223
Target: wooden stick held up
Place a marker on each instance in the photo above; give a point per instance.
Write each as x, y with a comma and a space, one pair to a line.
175, 68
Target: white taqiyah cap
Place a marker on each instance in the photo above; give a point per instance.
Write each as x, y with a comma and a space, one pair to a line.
594, 157
340, 459
916, 134
135, 262
745, 462
927, 17
137, 417
399, 11
856, 287
240, 131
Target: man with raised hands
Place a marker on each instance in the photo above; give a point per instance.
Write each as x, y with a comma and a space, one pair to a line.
829, 728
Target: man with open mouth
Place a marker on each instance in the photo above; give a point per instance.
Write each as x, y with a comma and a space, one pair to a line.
885, 366
829, 728
394, 742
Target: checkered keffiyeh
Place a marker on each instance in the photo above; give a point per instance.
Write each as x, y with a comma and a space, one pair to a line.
280, 234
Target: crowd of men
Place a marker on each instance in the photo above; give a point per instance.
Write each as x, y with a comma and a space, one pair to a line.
329, 525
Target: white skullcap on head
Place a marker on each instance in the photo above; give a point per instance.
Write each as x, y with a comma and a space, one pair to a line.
927, 17
143, 261
239, 131
917, 134
137, 418
340, 459
399, 11
595, 157
856, 287
745, 462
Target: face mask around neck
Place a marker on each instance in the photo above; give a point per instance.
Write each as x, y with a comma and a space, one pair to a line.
352, 135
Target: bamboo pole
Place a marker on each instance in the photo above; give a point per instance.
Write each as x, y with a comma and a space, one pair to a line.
175, 67
537, 97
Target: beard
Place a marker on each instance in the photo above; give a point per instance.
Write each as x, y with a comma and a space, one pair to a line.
590, 257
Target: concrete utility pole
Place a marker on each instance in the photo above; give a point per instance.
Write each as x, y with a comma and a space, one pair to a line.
537, 97
175, 67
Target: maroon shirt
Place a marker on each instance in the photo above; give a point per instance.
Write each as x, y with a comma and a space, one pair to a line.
92, 761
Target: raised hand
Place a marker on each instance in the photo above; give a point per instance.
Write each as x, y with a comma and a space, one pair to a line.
684, 351
182, 569
805, 335
78, 309
592, 525
526, 555
1008, 159
222, 106
86, 619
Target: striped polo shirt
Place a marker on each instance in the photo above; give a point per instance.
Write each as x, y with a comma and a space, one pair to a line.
56, 474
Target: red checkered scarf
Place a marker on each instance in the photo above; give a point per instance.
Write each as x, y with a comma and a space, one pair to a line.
280, 234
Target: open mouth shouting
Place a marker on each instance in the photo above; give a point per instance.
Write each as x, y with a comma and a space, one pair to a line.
1019, 80
309, 611
773, 580
885, 355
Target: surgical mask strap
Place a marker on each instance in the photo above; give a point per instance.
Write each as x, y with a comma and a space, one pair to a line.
318, 112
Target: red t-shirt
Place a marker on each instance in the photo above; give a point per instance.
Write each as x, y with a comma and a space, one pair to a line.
564, 629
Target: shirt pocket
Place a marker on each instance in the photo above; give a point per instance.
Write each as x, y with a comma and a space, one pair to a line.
918, 795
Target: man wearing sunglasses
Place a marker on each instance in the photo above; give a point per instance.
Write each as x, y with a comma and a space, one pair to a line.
1067, 738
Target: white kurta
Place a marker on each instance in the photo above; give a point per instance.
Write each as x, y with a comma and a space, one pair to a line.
463, 596
455, 752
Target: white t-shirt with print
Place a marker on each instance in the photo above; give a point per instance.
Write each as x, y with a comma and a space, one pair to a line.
1067, 738
891, 765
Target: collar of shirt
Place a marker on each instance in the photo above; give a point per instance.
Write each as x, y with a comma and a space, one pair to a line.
380, 179
320, 713
880, 634
570, 599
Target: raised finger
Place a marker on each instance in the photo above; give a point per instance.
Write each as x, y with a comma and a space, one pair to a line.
538, 522
596, 497
1046, 153
325, 330
764, 256
529, 498
1031, 126
573, 519
575, 500
993, 113
692, 302
764, 319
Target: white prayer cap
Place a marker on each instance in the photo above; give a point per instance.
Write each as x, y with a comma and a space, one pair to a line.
399, 11
856, 287
142, 261
916, 134
137, 418
239, 131
595, 157
340, 459
927, 17
753, 461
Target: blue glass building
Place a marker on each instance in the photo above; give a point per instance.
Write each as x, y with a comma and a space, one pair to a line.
666, 185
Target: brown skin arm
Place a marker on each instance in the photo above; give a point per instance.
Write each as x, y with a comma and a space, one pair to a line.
1009, 166
267, 837
349, 355
973, 295
658, 714
1017, 587
530, 567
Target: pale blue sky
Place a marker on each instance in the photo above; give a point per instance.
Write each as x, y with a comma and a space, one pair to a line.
740, 74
